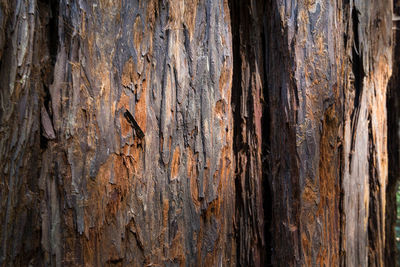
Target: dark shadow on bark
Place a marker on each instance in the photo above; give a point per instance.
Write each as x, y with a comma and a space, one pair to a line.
265, 154
260, 46
283, 175
253, 192
393, 118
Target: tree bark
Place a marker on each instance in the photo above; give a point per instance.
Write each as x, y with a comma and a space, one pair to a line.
98, 194
198, 133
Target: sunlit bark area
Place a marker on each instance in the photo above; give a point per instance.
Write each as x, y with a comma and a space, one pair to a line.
198, 132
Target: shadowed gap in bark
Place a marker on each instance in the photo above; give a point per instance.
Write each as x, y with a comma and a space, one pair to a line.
236, 93
48, 12
245, 17
267, 192
393, 145
358, 72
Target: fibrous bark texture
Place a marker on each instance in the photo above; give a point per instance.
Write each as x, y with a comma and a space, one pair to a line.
198, 133
319, 71
92, 192
247, 109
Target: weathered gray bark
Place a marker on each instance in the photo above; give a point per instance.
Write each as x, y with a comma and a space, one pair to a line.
264, 122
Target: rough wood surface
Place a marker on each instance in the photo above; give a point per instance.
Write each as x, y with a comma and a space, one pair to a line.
102, 196
247, 106
324, 126
197, 133
305, 58
365, 152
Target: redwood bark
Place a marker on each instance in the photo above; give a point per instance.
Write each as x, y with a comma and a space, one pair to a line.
258, 133
97, 194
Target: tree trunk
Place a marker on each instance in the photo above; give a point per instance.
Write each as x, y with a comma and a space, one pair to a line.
96, 193
198, 133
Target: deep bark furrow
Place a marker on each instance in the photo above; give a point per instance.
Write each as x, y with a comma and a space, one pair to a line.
393, 110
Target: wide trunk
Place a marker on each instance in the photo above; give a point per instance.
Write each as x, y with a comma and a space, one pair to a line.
198, 133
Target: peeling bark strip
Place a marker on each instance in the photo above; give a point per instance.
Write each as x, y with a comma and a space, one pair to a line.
264, 122
134, 124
